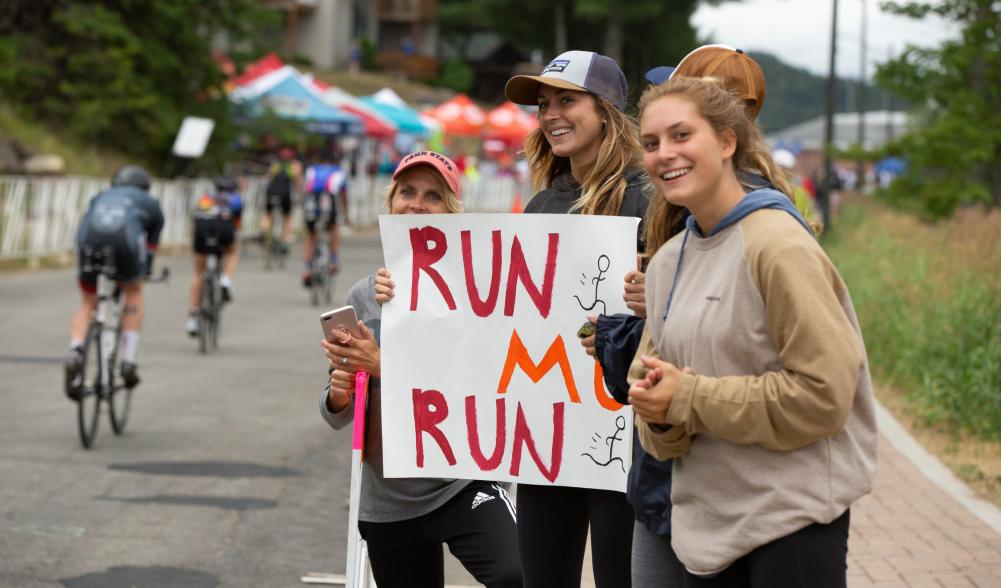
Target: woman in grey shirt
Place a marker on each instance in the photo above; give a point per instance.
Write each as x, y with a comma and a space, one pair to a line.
405, 520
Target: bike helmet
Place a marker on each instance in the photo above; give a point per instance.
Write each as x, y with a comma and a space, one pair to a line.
131, 175
225, 184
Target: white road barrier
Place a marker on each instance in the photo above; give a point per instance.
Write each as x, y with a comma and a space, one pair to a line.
39, 215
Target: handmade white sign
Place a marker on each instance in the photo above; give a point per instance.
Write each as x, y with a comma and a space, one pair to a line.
483, 375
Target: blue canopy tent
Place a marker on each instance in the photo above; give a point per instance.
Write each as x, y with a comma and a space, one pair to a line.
289, 96
407, 120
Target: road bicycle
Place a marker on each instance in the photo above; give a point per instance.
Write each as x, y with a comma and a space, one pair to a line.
321, 279
96, 380
211, 300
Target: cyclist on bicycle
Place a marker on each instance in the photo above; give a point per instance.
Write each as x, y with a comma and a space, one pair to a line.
217, 218
126, 220
323, 180
285, 175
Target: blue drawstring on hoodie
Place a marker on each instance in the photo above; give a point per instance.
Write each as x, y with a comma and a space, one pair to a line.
753, 201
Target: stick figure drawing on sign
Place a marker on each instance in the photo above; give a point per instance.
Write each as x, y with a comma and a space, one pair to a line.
603, 263
620, 425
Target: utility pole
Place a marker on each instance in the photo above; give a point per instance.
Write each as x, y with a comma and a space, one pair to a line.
888, 103
828, 184
861, 104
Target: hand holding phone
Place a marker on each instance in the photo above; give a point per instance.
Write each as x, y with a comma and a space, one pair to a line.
340, 319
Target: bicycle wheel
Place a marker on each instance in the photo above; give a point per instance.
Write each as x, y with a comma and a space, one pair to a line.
89, 405
328, 287
315, 286
216, 320
119, 397
206, 308
267, 242
282, 254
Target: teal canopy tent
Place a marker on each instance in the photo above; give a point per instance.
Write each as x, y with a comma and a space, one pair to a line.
406, 119
285, 92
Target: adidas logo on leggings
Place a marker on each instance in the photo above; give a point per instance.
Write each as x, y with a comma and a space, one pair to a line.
480, 498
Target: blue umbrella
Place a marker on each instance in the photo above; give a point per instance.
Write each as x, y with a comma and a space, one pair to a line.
893, 165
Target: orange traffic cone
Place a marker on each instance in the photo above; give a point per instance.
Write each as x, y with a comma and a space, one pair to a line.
516, 203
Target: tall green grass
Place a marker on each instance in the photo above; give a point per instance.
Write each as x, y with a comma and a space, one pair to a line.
79, 158
929, 301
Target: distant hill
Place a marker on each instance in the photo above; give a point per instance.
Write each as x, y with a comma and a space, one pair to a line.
795, 95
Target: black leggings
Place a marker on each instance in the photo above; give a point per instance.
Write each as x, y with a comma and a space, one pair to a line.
813, 557
478, 524
552, 535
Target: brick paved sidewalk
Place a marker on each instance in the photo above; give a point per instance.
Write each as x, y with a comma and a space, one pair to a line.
910, 533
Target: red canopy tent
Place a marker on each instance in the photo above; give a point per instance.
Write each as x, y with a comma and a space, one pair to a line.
509, 123
265, 65
459, 116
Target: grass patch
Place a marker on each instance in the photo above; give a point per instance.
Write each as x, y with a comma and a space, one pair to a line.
975, 461
928, 297
929, 300
80, 159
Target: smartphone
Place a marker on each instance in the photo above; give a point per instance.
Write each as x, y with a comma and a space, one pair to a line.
340, 319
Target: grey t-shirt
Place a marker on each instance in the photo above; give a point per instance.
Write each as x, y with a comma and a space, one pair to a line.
385, 500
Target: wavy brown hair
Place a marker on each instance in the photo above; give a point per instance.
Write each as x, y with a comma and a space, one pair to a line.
604, 186
723, 111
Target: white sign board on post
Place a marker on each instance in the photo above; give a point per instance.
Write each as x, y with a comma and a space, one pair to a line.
193, 137
483, 376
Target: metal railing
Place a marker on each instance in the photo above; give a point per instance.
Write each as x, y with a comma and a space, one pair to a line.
39, 215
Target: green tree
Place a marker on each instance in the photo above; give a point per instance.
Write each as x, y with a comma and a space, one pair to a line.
639, 34
954, 150
123, 73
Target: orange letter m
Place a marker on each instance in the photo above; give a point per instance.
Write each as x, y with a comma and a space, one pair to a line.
517, 354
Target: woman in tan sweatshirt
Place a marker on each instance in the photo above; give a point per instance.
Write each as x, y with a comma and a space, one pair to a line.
760, 388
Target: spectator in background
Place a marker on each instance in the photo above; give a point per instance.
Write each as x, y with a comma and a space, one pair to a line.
801, 196
354, 57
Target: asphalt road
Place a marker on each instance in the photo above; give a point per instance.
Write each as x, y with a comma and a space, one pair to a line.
226, 474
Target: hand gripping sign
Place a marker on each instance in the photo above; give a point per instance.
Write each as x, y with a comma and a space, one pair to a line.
482, 373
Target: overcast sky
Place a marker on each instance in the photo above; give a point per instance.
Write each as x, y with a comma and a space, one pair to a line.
799, 31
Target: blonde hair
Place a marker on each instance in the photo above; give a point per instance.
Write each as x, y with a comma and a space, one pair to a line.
452, 203
723, 110
604, 185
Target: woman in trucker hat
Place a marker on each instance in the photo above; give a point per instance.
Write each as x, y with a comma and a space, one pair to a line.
584, 159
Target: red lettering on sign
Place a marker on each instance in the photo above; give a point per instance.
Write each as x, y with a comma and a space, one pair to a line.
519, 271
430, 409
523, 437
482, 307
424, 257
472, 432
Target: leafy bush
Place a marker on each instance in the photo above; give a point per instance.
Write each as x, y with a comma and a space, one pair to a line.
456, 75
121, 73
928, 297
368, 54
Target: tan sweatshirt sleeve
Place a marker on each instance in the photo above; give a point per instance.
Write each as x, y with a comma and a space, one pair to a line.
819, 349
663, 445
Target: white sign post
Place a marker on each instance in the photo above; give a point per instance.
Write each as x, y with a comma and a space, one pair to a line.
483, 376
193, 137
